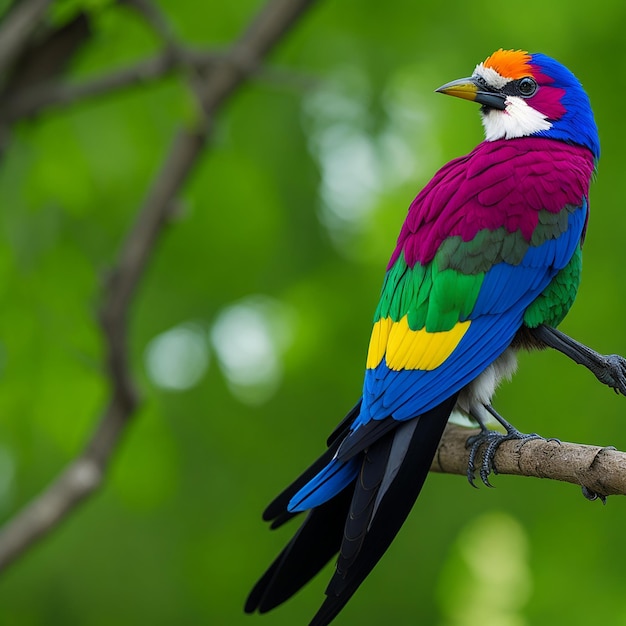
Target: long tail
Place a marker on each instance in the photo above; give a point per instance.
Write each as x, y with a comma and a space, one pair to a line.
361, 521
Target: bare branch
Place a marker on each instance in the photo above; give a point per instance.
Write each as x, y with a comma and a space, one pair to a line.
155, 19
31, 101
85, 474
599, 470
79, 479
16, 28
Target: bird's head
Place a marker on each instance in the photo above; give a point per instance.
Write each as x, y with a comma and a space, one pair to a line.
526, 94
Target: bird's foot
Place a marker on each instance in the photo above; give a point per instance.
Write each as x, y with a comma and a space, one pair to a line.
612, 372
493, 440
593, 495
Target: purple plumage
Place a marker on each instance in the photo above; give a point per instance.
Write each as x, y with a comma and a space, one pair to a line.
499, 184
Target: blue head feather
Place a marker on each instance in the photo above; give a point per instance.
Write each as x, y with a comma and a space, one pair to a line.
577, 124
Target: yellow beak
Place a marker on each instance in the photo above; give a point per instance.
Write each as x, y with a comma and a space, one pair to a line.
468, 89
464, 88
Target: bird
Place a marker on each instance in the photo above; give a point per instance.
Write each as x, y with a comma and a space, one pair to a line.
487, 263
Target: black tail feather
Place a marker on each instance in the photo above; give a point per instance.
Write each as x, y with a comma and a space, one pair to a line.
390, 511
364, 436
276, 511
360, 522
315, 543
363, 501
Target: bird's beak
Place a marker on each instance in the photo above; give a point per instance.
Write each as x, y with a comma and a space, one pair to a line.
468, 89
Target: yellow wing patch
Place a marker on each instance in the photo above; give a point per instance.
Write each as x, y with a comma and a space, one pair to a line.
408, 349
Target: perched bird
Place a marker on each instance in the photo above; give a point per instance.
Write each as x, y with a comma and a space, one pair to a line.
487, 261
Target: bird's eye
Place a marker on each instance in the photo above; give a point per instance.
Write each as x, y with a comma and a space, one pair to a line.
527, 87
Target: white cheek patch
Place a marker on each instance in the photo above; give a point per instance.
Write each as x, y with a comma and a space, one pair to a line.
517, 120
493, 78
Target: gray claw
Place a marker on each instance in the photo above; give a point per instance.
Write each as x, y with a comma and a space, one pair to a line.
592, 495
474, 442
614, 374
493, 439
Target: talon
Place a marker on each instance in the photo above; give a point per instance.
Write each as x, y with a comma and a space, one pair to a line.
484, 476
470, 473
493, 440
614, 373
593, 495
474, 443
525, 438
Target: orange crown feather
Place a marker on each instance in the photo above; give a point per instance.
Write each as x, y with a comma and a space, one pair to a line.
510, 63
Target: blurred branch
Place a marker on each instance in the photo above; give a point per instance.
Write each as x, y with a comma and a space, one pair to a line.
31, 101
155, 19
43, 55
83, 475
599, 471
32, 90
16, 28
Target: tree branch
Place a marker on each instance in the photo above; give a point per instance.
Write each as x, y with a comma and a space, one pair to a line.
33, 100
17, 27
597, 470
83, 475
155, 19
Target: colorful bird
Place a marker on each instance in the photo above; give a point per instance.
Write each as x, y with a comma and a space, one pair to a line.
487, 261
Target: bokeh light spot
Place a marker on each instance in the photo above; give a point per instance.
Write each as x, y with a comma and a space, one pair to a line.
249, 338
487, 578
178, 358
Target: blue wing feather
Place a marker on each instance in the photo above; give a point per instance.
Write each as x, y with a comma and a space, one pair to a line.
507, 290
335, 477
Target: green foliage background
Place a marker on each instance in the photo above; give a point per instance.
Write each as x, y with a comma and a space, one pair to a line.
292, 215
